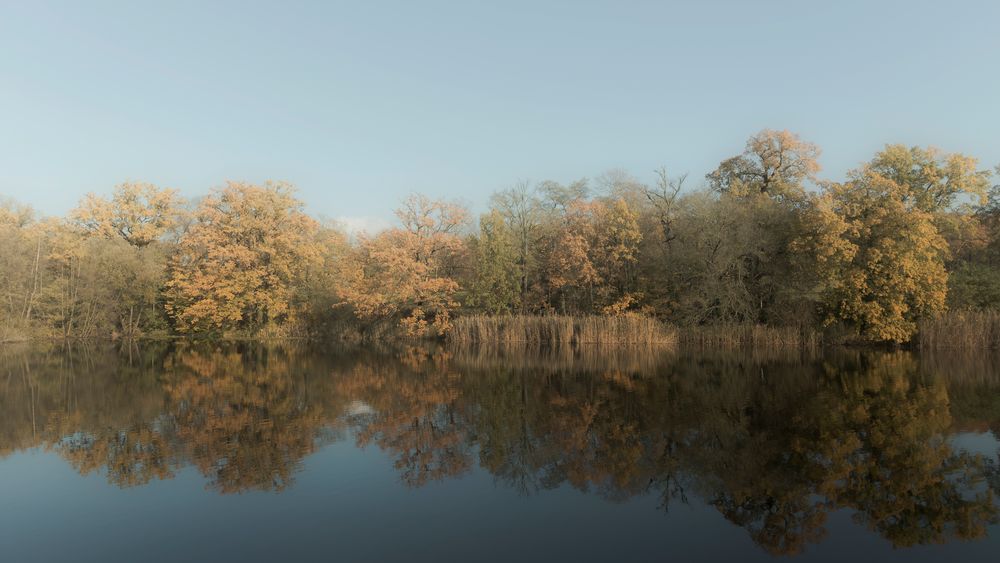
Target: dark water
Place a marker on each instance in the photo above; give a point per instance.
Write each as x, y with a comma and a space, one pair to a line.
250, 453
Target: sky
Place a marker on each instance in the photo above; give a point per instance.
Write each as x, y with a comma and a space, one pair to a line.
361, 103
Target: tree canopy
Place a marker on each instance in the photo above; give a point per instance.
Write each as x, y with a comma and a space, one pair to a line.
903, 238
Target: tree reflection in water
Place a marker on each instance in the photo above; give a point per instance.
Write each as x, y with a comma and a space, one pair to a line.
774, 444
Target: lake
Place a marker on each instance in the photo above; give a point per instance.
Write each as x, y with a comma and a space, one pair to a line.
290, 452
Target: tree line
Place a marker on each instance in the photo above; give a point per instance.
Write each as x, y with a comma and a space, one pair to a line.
906, 236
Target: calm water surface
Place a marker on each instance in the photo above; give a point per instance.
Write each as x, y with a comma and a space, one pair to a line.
179, 452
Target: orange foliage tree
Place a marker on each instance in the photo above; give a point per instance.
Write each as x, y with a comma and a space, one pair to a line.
406, 272
138, 212
238, 264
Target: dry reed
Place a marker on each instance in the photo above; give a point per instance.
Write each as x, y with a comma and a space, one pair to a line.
758, 337
970, 330
555, 331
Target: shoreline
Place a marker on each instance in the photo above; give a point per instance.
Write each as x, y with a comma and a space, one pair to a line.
955, 331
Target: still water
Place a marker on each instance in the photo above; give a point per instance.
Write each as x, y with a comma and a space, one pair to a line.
249, 452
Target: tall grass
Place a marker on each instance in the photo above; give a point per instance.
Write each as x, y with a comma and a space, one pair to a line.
970, 330
555, 331
757, 337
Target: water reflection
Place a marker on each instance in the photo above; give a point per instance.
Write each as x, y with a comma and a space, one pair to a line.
774, 444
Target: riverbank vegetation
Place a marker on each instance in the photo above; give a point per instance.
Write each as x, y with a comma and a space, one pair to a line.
962, 329
556, 331
906, 248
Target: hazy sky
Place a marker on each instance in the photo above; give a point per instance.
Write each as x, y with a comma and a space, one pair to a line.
359, 103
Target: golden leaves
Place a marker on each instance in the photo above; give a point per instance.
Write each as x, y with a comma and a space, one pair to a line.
880, 261
776, 163
402, 271
237, 265
138, 212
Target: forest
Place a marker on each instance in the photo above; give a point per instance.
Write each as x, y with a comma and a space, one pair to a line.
904, 249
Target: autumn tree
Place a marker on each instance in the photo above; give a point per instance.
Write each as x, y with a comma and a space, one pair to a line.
126, 236
559, 197
139, 213
880, 260
943, 184
759, 246
572, 253
238, 264
617, 254
656, 209
62, 280
776, 163
931, 180
876, 241
68, 301
407, 273
587, 248
571, 278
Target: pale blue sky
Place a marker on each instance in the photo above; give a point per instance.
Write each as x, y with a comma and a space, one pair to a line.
359, 103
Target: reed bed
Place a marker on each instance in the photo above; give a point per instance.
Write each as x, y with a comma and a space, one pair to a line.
968, 330
559, 331
11, 334
757, 337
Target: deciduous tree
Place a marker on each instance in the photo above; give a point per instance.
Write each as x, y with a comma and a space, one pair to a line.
880, 258
930, 180
405, 273
138, 212
776, 163
495, 287
238, 264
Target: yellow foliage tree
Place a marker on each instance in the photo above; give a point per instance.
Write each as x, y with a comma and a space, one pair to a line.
776, 163
880, 260
618, 238
931, 179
